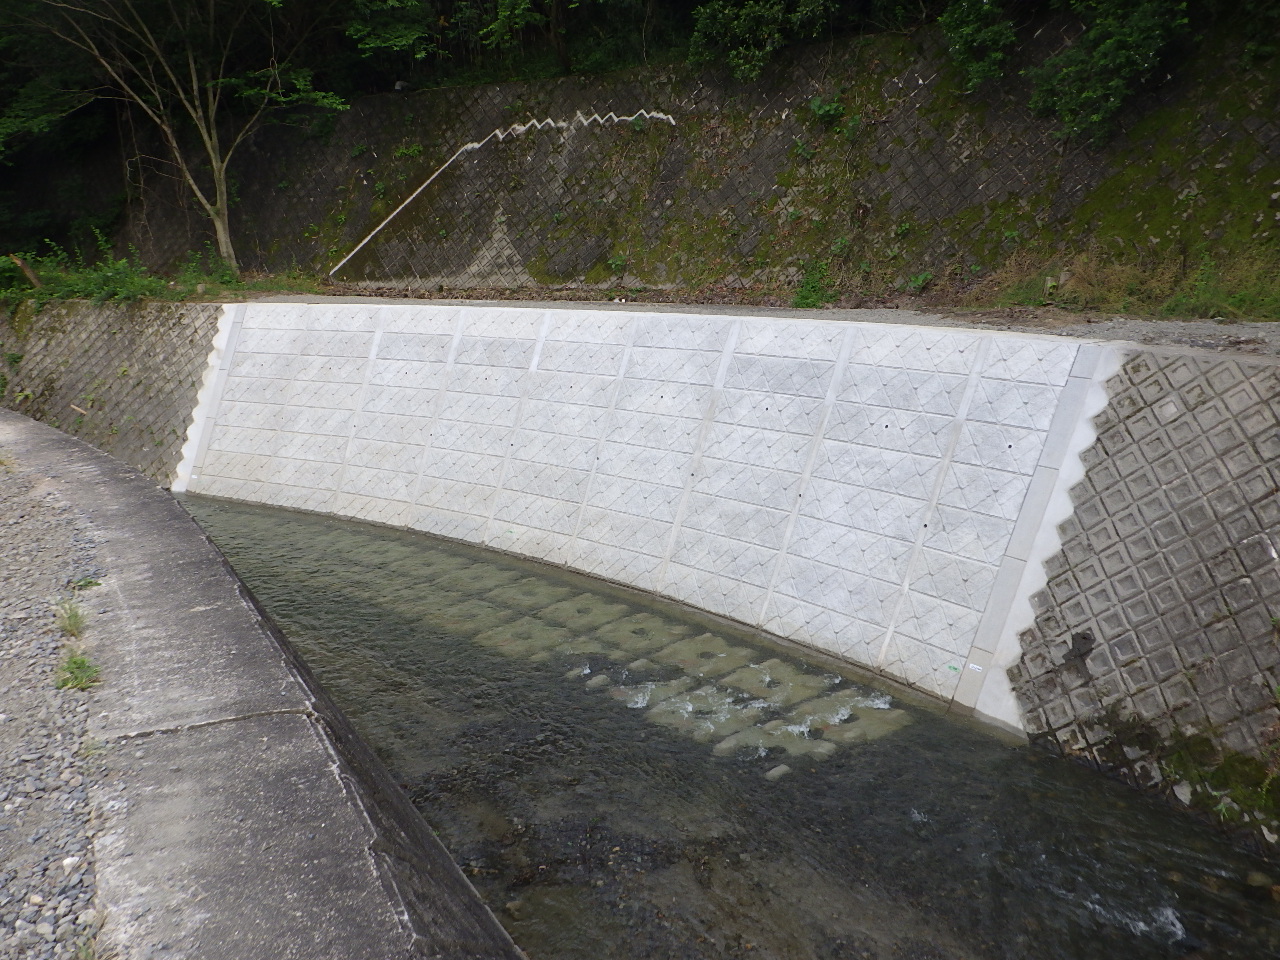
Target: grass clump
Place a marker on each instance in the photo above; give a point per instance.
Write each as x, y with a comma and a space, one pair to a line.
71, 618
816, 289
59, 275
1173, 286
77, 672
70, 276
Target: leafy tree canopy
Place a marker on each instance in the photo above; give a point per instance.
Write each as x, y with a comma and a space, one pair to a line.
207, 73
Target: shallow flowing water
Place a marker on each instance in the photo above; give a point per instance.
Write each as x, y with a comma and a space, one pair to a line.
622, 777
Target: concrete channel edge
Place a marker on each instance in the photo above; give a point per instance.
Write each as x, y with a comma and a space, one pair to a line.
242, 815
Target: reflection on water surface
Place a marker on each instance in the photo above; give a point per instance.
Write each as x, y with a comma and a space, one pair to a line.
625, 778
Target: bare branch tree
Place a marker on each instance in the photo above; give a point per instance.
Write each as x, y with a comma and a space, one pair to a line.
206, 73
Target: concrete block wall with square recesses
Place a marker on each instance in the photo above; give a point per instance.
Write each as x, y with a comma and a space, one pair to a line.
874, 490
1073, 539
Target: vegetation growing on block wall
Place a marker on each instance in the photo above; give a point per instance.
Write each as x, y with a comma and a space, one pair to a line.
1142, 240
57, 274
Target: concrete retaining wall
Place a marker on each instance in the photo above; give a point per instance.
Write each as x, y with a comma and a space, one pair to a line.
119, 376
1074, 539
874, 490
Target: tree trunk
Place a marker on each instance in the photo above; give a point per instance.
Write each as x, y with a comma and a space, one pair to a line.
221, 217
222, 232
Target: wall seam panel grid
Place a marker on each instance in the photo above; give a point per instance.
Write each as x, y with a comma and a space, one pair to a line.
437, 402
361, 393
695, 459
526, 384
815, 446
1075, 432
1018, 552
916, 559
606, 424
780, 472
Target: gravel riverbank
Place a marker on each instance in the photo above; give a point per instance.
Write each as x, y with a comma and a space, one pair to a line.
46, 823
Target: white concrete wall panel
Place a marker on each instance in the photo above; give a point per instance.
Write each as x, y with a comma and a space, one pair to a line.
854, 486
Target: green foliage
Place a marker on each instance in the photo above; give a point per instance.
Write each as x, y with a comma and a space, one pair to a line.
1248, 291
70, 277
1086, 85
815, 288
919, 282
78, 672
38, 88
826, 112
979, 35
851, 127
397, 26
746, 34
205, 266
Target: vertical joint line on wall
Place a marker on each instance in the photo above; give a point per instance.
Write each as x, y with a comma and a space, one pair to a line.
944, 467
437, 403
361, 395
543, 329
632, 329
811, 459
695, 458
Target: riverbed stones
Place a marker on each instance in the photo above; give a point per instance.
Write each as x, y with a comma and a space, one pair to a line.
469, 618
47, 867
641, 695
791, 738
478, 578
584, 612
529, 594
851, 715
708, 713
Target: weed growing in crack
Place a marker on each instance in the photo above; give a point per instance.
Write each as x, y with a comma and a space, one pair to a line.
76, 672
71, 618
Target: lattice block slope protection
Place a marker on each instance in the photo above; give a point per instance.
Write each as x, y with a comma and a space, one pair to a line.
120, 376
1160, 610
864, 488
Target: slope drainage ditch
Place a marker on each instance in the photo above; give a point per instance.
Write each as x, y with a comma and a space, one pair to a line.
623, 777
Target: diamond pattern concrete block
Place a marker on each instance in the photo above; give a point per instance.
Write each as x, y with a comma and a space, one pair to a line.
900, 389
1170, 561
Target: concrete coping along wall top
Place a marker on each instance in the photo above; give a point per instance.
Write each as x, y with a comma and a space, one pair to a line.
882, 492
240, 816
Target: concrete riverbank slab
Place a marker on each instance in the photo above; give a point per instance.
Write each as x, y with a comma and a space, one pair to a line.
242, 817
239, 840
